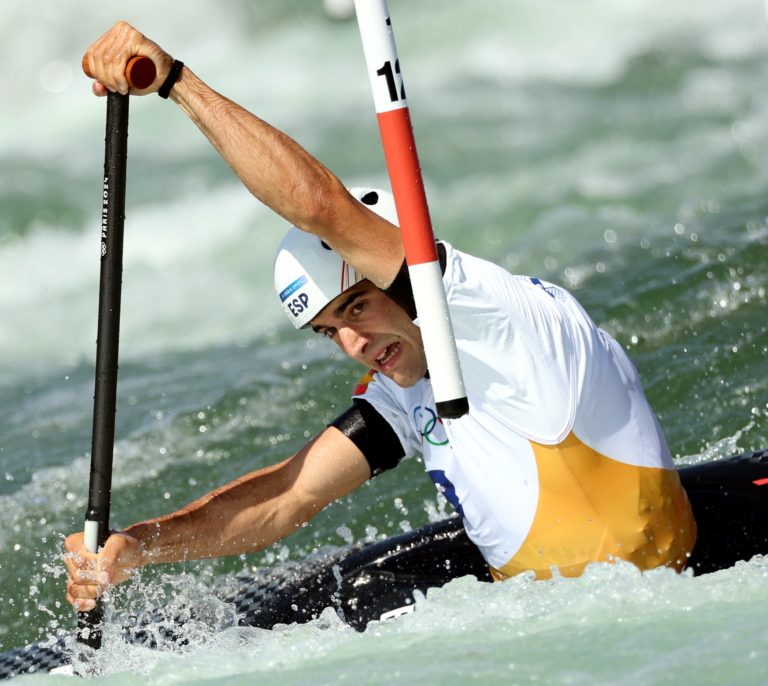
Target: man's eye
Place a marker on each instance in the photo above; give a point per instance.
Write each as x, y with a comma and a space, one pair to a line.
358, 307
329, 333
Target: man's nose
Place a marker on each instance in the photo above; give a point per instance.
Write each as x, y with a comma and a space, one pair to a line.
353, 342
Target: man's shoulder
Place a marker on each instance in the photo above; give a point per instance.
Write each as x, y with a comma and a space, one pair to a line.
373, 381
481, 279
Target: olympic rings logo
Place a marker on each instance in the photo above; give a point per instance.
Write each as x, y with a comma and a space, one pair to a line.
429, 427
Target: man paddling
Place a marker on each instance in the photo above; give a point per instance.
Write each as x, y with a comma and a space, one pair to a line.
560, 461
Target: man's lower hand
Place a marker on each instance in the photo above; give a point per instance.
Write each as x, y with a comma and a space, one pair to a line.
90, 574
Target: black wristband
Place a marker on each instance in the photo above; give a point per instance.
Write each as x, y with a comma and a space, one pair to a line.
173, 75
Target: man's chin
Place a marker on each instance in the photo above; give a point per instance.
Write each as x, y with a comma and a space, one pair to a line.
405, 380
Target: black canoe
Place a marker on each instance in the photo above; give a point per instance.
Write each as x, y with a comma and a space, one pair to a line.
373, 581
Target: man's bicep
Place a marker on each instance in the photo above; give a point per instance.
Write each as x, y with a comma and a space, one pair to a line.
330, 467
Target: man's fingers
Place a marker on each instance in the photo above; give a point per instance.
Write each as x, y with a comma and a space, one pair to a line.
99, 89
90, 575
79, 562
83, 597
108, 56
81, 604
83, 591
110, 557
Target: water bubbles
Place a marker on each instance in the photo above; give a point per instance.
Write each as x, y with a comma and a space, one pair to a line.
346, 533
493, 234
512, 260
56, 77
748, 150
610, 236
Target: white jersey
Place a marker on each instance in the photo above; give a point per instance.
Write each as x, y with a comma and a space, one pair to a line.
560, 460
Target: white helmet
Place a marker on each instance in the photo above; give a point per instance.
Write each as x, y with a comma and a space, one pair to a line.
309, 274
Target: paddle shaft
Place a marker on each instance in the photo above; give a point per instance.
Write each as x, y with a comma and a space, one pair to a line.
107, 343
411, 201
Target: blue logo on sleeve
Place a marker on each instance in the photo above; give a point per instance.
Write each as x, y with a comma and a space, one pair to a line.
552, 291
446, 488
290, 290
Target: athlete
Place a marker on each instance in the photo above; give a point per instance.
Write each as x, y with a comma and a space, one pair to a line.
560, 461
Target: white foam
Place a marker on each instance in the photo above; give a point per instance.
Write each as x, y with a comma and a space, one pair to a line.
194, 274
517, 631
303, 70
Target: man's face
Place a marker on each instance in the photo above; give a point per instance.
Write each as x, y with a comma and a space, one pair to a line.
372, 329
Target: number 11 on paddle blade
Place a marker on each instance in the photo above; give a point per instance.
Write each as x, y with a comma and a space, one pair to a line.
412, 210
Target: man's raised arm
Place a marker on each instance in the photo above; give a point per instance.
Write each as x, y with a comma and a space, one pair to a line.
244, 516
274, 168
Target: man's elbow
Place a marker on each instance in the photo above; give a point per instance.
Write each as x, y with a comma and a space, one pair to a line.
307, 504
322, 207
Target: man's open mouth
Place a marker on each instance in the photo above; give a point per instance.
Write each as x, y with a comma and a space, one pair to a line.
389, 352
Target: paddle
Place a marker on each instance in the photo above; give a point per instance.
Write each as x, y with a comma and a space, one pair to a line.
140, 73
412, 210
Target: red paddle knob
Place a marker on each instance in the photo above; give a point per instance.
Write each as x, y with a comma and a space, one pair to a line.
140, 71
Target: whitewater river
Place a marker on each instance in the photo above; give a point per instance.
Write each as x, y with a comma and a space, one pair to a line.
616, 147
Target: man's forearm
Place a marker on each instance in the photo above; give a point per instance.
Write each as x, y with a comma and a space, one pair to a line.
243, 516
259, 508
274, 168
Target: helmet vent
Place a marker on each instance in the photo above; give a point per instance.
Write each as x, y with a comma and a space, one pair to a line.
325, 245
370, 198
